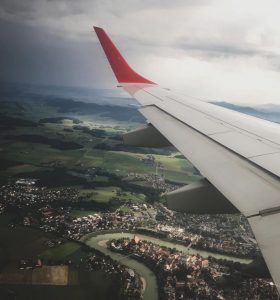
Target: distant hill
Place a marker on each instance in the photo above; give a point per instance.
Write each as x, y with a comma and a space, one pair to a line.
269, 107
115, 104
116, 97
270, 112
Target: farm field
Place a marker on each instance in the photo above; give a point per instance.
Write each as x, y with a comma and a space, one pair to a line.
77, 144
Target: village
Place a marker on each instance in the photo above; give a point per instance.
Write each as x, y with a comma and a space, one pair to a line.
178, 275
183, 276
50, 210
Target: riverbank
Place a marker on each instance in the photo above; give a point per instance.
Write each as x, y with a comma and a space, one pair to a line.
98, 241
148, 278
185, 249
103, 244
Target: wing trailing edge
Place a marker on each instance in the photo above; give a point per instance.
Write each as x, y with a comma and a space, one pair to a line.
199, 197
146, 136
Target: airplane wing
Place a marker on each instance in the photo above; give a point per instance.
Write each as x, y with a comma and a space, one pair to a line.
238, 155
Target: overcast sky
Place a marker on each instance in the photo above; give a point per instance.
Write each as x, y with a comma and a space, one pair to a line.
213, 49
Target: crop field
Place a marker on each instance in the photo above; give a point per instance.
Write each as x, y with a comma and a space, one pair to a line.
94, 283
61, 252
105, 194
65, 143
19, 241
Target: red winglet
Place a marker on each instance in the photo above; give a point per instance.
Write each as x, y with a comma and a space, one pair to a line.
123, 72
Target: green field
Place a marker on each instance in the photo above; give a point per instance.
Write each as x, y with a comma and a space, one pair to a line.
94, 285
99, 194
23, 243
19, 242
37, 159
105, 194
60, 252
33, 156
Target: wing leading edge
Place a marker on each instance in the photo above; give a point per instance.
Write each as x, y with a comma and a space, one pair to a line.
238, 154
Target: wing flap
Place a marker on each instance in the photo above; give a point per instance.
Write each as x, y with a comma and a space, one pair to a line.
199, 197
145, 136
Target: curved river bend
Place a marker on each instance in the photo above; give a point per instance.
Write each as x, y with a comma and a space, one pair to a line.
151, 290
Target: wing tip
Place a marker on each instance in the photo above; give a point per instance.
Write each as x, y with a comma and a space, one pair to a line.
97, 28
123, 72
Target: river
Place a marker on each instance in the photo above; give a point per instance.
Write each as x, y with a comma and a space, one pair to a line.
151, 290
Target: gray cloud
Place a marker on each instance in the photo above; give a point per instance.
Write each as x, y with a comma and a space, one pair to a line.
36, 9
209, 50
15, 7
28, 55
216, 48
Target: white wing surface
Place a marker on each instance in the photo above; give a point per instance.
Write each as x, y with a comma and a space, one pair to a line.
238, 154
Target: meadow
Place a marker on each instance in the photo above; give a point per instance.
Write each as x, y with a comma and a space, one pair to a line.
61, 142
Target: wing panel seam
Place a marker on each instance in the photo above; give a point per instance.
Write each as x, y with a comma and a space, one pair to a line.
209, 115
263, 154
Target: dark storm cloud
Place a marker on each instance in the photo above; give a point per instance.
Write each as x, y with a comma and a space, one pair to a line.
41, 41
49, 40
29, 55
230, 45
14, 7
32, 9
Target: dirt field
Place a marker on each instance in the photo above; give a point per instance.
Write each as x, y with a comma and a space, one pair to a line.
47, 275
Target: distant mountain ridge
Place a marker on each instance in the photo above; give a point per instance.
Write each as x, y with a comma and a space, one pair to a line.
269, 107
68, 99
270, 112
